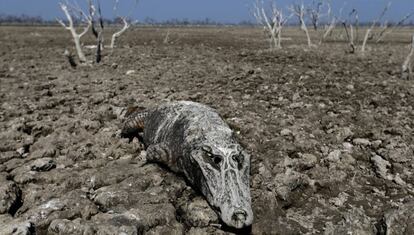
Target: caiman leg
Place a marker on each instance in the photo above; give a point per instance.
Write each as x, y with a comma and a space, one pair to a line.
160, 153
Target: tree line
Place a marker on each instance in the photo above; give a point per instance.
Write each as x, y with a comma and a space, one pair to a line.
24, 19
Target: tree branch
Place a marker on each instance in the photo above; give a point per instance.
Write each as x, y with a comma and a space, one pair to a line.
386, 30
272, 23
406, 68
373, 25
120, 32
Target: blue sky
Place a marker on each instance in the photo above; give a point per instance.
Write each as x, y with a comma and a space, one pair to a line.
219, 10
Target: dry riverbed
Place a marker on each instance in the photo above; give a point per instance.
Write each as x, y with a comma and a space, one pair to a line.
330, 133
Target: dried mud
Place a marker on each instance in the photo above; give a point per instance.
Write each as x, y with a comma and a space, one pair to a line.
330, 133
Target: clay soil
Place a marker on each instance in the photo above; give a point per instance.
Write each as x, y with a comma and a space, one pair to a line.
330, 133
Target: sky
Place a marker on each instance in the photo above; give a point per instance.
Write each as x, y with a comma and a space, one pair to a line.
225, 11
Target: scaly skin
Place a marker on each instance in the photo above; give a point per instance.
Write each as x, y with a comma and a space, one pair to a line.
192, 139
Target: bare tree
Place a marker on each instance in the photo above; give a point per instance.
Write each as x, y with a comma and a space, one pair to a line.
315, 13
120, 32
332, 21
369, 30
124, 20
324, 11
406, 68
299, 11
272, 22
387, 30
167, 37
351, 29
70, 11
92, 20
97, 19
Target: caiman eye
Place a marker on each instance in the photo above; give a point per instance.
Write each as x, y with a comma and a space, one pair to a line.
217, 159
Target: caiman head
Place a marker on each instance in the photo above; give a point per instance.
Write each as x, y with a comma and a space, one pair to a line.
220, 170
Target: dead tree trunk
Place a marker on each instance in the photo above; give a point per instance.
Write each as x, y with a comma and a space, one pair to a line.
71, 28
351, 31
387, 30
94, 20
315, 14
120, 32
369, 30
98, 33
331, 25
299, 11
406, 69
350, 36
167, 37
328, 30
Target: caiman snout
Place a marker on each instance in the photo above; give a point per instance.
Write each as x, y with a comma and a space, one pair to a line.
239, 218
